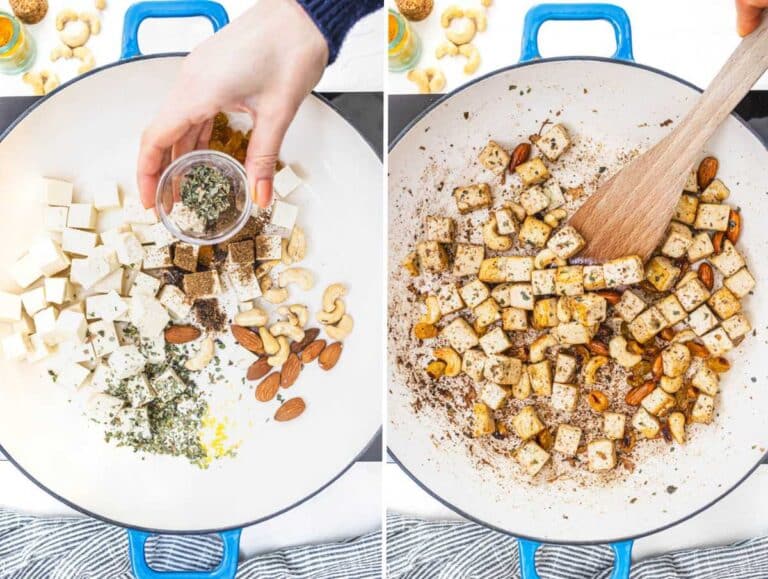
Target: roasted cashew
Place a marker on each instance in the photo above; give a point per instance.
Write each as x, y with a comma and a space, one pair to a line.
84, 55
275, 295
420, 79
75, 33
554, 217
589, 372
265, 283
676, 422
265, 267
332, 293
340, 330
539, 347
687, 277
203, 356
334, 316
446, 48
618, 350
411, 264
564, 310
478, 16
436, 79
452, 361
41, 82
297, 244
473, 57
271, 345
683, 337
61, 51
285, 258
463, 35
449, 14
301, 313
284, 350
432, 316
92, 20
288, 315
66, 15
492, 239
287, 329
298, 275
518, 210
253, 318
545, 258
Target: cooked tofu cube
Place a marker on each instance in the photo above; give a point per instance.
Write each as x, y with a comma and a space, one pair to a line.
440, 229
127, 361
474, 293
483, 423
468, 259
737, 326
685, 212
740, 283
601, 455
630, 306
567, 439
645, 423
502, 293
494, 158
520, 295
522, 389
573, 333
691, 183
543, 282
534, 232
270, 247
506, 268
672, 310
545, 313
717, 192
527, 423
569, 280
662, 273
594, 278
553, 142
555, 193
10, 307
717, 342
703, 411
565, 397
487, 313
531, 457
725, 303
701, 320
706, 380
449, 299
614, 424
692, 294
495, 341
658, 402
534, 200
588, 309
532, 172
16, 346
81, 216
540, 376
175, 302
505, 221
701, 247
671, 385
712, 216
432, 256
566, 242
679, 239
57, 192
565, 368
503, 370
514, 320
647, 325
473, 364
472, 197
623, 271
493, 395
729, 261
460, 335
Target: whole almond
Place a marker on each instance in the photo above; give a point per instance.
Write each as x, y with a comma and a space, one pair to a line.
310, 336
707, 172
267, 388
312, 351
181, 334
697, 350
707, 275
519, 155
734, 227
599, 348
289, 373
330, 356
635, 396
611, 296
658, 368
248, 339
290, 409
258, 369
717, 242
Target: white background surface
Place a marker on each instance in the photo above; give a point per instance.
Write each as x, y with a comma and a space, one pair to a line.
358, 68
688, 38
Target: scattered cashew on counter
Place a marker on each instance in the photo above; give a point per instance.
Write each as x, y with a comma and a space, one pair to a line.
41, 82
428, 80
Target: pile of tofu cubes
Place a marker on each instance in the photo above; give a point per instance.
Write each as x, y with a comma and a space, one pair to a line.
486, 297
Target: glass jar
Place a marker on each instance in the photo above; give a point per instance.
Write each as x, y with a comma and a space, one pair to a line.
17, 47
404, 44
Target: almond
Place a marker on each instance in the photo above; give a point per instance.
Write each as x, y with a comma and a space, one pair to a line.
267, 388
635, 396
734, 227
717, 242
611, 296
310, 336
290, 371
181, 334
258, 369
248, 339
290, 409
707, 172
330, 356
599, 348
312, 351
707, 275
658, 368
519, 155
697, 350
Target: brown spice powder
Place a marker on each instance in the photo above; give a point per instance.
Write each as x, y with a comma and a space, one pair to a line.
209, 315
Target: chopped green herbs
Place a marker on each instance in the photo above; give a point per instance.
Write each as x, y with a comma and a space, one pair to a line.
207, 192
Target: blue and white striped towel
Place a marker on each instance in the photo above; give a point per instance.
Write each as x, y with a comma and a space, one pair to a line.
417, 549
80, 548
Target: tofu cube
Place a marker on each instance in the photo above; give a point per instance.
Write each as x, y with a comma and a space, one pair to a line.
520, 295
630, 306
145, 285
107, 196
506, 269
154, 257
569, 280
540, 376
432, 256
545, 313
623, 271
468, 259
678, 240
543, 282
103, 337
34, 300
531, 457
514, 320
647, 325
48, 256
522, 389
185, 257
57, 290
57, 192
740, 283
685, 212
527, 423
691, 183
25, 271
701, 247
553, 142
534, 200
503, 370
82, 216
133, 423
109, 307
532, 172
717, 342
72, 376
729, 261
573, 333
45, 325
493, 395
240, 252
566, 242
70, 327
131, 253
168, 385
268, 247
567, 439
565, 368
662, 273
658, 402
565, 397
487, 313
594, 278
16, 346
502, 293
494, 158
103, 408
127, 361
588, 309
737, 326
40, 350
242, 279
135, 212
672, 310
474, 293
505, 221
645, 423
725, 303
79, 242
175, 302
671, 385
449, 299
692, 294
284, 214
473, 364
55, 218
534, 232
472, 197
111, 236
440, 229
711, 216
601, 455
717, 192
460, 335
138, 390
483, 423
149, 316
286, 181
495, 341
701, 320
614, 424
706, 380
703, 411
10, 307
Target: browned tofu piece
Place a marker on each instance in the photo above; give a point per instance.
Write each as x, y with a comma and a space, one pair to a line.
472, 197
432, 256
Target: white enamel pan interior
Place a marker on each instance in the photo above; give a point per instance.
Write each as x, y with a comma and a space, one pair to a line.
617, 107
90, 130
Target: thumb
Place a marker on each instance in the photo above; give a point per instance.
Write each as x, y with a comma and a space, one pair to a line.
261, 157
748, 16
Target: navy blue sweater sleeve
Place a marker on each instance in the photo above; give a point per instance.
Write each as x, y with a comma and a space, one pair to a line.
334, 18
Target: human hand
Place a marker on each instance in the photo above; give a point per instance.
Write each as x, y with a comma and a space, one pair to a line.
749, 14
264, 63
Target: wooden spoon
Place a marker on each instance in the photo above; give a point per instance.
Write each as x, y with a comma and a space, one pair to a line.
629, 214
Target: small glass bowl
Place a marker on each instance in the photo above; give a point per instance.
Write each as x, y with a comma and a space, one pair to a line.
169, 195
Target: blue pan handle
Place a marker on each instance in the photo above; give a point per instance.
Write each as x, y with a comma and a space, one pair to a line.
542, 13
622, 562
225, 570
140, 11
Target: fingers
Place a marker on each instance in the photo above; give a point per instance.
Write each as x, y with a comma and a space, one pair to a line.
204, 140
749, 15
188, 142
263, 150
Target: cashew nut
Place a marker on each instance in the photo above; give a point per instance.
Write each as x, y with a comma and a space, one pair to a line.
297, 244
463, 35
545, 258
295, 333
436, 79
332, 293
288, 315
285, 258
61, 51
432, 316
411, 264
518, 210
539, 347
340, 330
279, 358
428, 80
271, 345
265, 283
75, 33
41, 82
265, 267
275, 295
683, 337
589, 372
446, 48
449, 14
564, 310
452, 361
100, 4
301, 312
253, 318
92, 20
491, 237
334, 315
66, 15
84, 55
688, 276
618, 350
676, 422
298, 275
554, 217
203, 356
478, 16
473, 57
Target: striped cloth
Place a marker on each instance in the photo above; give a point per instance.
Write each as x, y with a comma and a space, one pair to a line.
418, 549
81, 548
